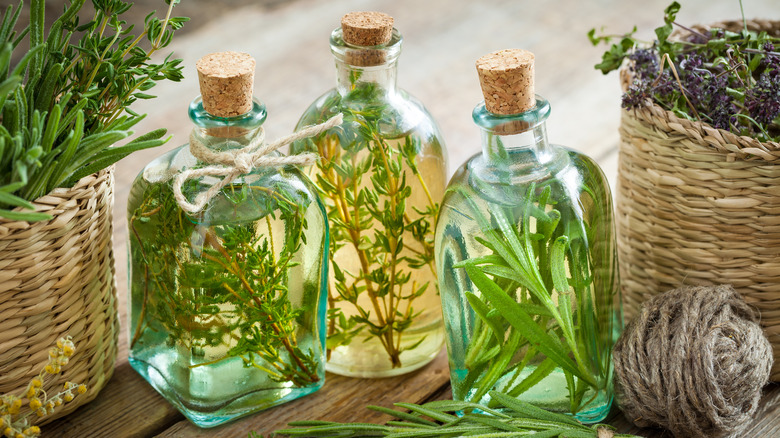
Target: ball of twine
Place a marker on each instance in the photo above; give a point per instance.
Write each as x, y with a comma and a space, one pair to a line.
694, 362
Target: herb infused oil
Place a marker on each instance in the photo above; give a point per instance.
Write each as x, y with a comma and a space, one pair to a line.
525, 252
227, 304
381, 176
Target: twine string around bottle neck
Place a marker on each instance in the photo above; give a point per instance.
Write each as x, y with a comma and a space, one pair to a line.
233, 163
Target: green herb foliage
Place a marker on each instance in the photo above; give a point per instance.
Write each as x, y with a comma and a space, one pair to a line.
66, 102
535, 294
222, 285
730, 80
363, 178
448, 418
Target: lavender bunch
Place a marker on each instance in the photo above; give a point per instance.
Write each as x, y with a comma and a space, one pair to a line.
730, 80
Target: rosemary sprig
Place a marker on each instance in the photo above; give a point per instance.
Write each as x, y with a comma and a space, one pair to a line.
65, 104
534, 293
447, 418
364, 180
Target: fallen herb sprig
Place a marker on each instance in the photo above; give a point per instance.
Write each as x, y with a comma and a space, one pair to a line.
512, 418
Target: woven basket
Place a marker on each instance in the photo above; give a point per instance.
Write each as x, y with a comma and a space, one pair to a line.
698, 206
57, 279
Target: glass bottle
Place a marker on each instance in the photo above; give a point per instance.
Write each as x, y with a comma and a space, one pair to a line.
227, 305
525, 252
381, 177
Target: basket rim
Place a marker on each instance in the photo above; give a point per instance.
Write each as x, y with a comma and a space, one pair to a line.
45, 204
744, 147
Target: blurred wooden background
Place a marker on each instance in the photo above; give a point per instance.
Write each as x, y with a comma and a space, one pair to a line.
442, 40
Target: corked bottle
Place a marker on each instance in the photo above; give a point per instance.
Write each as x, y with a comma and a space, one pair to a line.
525, 253
382, 176
228, 256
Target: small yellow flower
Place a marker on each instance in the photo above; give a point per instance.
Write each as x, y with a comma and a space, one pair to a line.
60, 342
67, 350
30, 392
50, 369
35, 403
14, 406
36, 382
8, 431
35, 429
40, 412
19, 435
82, 389
2, 422
68, 396
50, 405
57, 401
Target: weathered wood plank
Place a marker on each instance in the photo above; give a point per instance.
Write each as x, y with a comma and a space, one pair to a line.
127, 407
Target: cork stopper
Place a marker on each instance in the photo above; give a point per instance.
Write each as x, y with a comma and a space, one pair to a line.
226, 80
366, 28
507, 80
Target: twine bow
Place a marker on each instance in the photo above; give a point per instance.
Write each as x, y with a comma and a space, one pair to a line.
234, 163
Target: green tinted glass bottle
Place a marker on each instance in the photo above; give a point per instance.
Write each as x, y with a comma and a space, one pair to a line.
381, 177
227, 304
525, 252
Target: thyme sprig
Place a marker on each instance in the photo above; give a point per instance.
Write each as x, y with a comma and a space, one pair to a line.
364, 181
232, 294
66, 103
447, 418
730, 80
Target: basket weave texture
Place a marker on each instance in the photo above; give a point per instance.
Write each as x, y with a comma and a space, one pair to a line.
57, 279
698, 206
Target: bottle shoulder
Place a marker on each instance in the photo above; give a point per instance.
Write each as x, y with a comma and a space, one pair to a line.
568, 172
249, 197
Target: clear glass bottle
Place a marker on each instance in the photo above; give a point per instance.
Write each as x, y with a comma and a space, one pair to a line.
525, 252
227, 305
381, 177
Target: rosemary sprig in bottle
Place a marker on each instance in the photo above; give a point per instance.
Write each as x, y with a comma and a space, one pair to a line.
534, 295
448, 418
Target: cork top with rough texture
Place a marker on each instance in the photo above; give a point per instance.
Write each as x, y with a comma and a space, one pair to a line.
507, 80
366, 28
226, 81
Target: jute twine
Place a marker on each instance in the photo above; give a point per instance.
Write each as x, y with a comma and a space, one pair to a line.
698, 206
57, 279
693, 361
233, 163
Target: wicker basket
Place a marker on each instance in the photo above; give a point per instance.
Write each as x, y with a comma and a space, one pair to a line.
699, 206
57, 279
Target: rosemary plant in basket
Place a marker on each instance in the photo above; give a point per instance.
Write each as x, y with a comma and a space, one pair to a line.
67, 101
730, 80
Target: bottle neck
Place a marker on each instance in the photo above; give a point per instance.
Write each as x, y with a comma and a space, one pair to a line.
224, 133
357, 66
350, 77
502, 134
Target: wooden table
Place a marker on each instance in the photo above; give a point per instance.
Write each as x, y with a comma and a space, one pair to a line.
443, 38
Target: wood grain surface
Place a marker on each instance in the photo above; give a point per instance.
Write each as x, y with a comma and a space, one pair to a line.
442, 40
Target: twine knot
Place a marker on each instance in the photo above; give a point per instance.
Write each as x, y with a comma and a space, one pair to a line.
694, 362
233, 163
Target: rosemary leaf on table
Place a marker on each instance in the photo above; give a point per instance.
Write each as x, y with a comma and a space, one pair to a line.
448, 418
